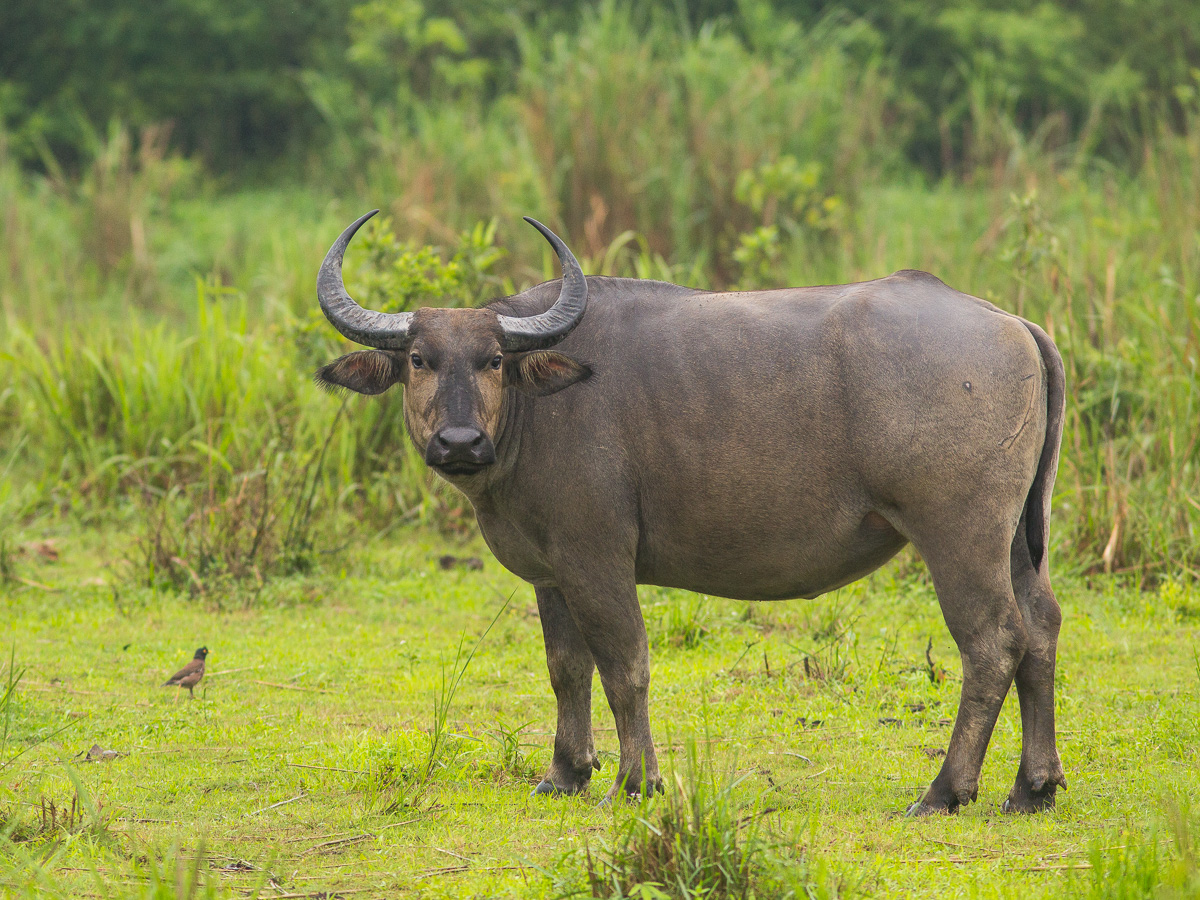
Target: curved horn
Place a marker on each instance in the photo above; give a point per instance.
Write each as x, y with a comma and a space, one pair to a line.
387, 331
550, 327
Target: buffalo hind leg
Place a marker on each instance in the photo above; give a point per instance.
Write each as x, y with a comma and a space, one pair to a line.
1040, 772
570, 663
609, 617
975, 592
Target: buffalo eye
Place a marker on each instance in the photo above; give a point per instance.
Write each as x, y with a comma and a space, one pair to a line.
497, 361
417, 362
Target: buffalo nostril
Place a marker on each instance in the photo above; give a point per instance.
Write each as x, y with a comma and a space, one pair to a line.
456, 438
460, 445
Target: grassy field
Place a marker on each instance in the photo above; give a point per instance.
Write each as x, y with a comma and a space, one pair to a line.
324, 752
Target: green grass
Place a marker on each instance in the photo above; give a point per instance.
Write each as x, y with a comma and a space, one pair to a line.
323, 693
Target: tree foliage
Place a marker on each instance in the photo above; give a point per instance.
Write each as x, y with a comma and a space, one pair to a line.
250, 81
224, 74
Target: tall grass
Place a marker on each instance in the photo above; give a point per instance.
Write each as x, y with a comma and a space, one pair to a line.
158, 334
1112, 267
699, 839
207, 437
633, 125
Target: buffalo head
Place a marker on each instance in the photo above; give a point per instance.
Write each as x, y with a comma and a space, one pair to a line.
455, 364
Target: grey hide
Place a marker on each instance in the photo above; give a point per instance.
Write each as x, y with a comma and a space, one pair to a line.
762, 446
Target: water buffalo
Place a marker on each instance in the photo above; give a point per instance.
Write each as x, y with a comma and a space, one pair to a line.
759, 445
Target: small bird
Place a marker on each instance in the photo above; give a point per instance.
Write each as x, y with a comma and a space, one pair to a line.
189, 676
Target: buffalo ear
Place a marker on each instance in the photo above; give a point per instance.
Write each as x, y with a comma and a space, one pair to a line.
364, 372
543, 372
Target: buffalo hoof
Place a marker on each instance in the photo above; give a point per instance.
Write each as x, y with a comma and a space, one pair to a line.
939, 801
549, 787
566, 780
1017, 805
632, 792
1033, 796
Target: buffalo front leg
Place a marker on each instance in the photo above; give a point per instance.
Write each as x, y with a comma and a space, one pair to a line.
979, 607
570, 663
610, 620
